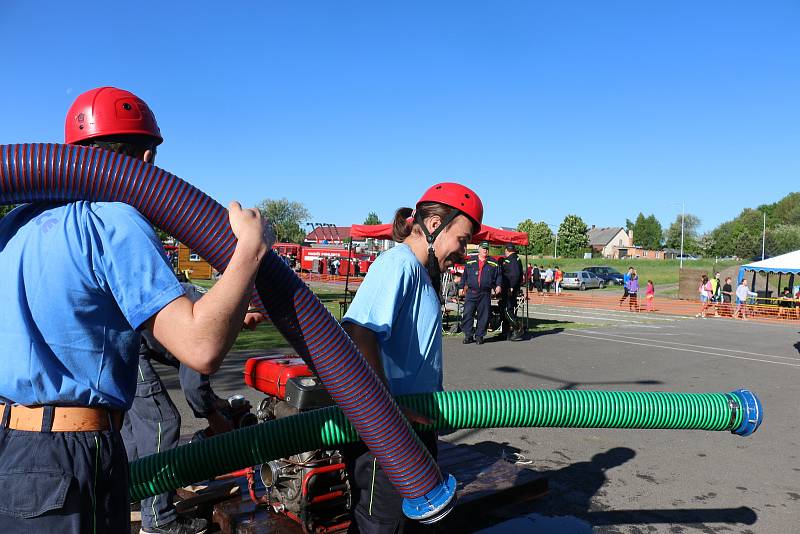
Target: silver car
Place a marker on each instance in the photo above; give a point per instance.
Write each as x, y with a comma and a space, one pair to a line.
582, 280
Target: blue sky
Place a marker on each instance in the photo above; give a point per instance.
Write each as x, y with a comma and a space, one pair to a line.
602, 109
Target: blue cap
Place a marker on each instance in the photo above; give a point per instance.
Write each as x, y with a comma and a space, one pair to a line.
434, 505
752, 412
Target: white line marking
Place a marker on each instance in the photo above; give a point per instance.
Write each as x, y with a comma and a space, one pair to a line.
595, 318
616, 313
681, 349
695, 346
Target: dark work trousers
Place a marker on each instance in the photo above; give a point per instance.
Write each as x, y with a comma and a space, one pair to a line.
377, 507
508, 305
63, 482
476, 303
152, 425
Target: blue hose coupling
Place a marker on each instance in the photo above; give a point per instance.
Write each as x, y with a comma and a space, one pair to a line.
434, 505
752, 414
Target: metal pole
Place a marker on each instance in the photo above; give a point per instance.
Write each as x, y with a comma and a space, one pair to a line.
763, 236
683, 216
555, 249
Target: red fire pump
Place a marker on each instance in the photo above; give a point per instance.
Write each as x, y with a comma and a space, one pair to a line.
312, 487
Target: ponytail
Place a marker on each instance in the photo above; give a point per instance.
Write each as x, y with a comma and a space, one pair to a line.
401, 228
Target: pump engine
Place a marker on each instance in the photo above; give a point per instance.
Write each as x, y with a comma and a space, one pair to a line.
311, 487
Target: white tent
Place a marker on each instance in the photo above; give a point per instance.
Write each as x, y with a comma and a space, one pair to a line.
788, 264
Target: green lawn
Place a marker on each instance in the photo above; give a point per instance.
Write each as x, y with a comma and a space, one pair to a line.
266, 336
659, 271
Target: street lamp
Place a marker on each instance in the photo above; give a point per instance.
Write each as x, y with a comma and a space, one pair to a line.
555, 248
683, 217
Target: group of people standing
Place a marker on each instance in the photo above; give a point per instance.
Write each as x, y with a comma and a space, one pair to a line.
717, 297
630, 291
544, 280
483, 278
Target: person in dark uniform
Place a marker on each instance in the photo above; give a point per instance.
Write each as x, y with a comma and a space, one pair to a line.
481, 278
153, 423
511, 281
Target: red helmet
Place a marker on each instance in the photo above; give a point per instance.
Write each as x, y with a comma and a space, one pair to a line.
456, 196
109, 111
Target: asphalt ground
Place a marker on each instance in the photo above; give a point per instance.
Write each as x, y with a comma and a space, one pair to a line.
631, 481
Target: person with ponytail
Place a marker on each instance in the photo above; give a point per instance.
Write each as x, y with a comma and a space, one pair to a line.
395, 320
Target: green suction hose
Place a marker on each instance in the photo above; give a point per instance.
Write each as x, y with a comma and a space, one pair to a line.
327, 428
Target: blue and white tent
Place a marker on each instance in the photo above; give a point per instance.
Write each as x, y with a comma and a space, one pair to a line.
785, 264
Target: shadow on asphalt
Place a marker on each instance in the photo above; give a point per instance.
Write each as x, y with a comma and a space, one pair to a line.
567, 384
573, 487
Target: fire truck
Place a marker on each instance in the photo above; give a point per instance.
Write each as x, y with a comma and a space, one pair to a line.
315, 258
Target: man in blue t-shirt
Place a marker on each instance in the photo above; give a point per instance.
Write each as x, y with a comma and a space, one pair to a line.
82, 279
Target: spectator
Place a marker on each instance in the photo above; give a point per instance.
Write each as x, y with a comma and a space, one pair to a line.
528, 274
536, 279
557, 277
706, 293
650, 296
727, 297
716, 293
548, 279
742, 294
625, 283
633, 291
786, 304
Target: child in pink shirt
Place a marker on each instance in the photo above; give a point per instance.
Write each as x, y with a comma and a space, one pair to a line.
650, 295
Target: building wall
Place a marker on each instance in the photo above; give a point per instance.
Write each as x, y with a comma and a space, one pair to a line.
620, 240
188, 261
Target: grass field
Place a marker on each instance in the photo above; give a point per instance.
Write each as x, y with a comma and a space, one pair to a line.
266, 336
661, 272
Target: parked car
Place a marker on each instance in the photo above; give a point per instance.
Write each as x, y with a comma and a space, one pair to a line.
609, 275
582, 280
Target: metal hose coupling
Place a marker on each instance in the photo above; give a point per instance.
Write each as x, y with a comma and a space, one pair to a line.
752, 412
434, 505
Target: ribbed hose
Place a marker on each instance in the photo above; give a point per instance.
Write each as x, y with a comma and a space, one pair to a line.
328, 428
52, 172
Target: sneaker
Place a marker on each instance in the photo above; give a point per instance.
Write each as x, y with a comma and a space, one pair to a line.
182, 525
479, 340
468, 340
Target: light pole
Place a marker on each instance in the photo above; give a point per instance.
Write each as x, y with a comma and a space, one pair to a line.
763, 236
555, 248
683, 216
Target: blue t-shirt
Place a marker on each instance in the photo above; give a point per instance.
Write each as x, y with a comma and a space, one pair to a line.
398, 303
78, 280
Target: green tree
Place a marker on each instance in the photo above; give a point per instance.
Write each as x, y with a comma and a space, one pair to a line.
672, 236
372, 219
572, 236
4, 209
782, 239
285, 217
646, 232
540, 238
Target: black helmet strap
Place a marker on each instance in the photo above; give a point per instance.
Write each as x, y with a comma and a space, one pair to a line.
433, 263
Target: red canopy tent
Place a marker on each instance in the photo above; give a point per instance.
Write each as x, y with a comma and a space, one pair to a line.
496, 236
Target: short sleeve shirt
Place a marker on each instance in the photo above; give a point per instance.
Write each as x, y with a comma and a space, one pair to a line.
398, 303
79, 280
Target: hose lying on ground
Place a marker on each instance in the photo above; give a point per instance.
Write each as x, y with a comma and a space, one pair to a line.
53, 173
739, 412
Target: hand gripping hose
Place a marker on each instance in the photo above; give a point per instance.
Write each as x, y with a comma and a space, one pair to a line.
739, 412
52, 172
